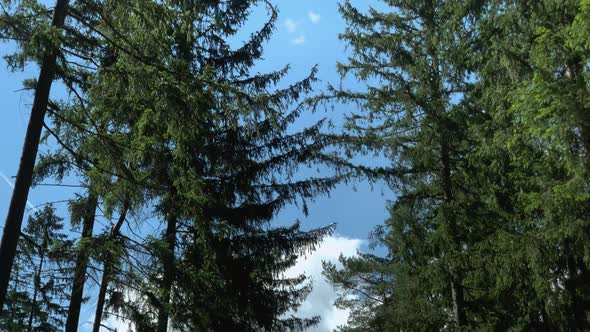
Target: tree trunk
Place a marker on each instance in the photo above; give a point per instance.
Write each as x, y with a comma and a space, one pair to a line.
81, 265
457, 292
101, 296
577, 320
24, 176
108, 263
576, 276
37, 283
458, 302
438, 106
168, 274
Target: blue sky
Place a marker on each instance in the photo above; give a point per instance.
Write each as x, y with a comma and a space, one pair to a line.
306, 35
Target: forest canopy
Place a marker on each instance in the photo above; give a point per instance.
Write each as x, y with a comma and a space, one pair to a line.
184, 156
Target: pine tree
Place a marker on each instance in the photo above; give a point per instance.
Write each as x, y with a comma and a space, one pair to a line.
41, 280
537, 99
210, 140
45, 48
63, 45
412, 58
520, 179
85, 146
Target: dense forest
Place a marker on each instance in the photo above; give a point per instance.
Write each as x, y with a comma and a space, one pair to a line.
480, 109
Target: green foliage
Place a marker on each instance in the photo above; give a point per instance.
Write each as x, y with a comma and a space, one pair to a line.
40, 283
539, 122
518, 157
165, 111
212, 142
414, 111
482, 107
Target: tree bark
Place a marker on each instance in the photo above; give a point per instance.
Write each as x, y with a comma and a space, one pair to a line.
457, 295
108, 265
457, 291
81, 266
168, 276
577, 273
101, 297
37, 283
24, 176
577, 321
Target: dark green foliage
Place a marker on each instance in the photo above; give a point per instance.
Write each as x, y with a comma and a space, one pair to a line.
482, 108
413, 111
41, 277
212, 141
166, 111
540, 93
517, 157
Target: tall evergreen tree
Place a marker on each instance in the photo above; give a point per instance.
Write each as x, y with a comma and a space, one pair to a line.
520, 180
41, 280
537, 98
211, 140
44, 49
412, 57
59, 40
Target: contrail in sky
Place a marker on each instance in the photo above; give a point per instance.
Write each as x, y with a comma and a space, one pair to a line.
8, 182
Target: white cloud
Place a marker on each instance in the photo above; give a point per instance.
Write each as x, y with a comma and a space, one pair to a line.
299, 40
314, 17
321, 300
294, 27
113, 324
117, 324
291, 25
109, 323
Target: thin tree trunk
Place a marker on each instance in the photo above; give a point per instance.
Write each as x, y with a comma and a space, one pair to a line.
108, 264
37, 284
168, 273
101, 297
436, 86
458, 296
457, 291
24, 176
81, 266
12, 309
579, 320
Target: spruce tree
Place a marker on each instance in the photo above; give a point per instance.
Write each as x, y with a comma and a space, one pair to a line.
537, 98
59, 40
520, 179
211, 141
41, 280
44, 49
412, 57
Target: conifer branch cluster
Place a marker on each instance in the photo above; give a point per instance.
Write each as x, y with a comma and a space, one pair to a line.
184, 158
